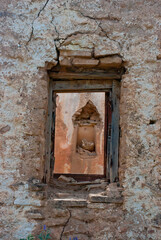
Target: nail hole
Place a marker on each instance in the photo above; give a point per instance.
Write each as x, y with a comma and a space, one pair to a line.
152, 121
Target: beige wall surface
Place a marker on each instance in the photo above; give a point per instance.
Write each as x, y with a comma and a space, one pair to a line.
33, 32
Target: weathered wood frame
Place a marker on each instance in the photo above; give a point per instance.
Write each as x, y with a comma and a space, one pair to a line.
112, 89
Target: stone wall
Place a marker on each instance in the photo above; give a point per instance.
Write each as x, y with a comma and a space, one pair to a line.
33, 33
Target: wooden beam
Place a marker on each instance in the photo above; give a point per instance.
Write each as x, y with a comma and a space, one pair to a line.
48, 136
115, 130
52, 152
108, 140
95, 76
81, 85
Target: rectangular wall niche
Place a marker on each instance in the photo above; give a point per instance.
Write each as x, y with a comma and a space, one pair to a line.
79, 133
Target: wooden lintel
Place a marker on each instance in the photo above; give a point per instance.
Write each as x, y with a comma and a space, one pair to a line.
71, 76
81, 85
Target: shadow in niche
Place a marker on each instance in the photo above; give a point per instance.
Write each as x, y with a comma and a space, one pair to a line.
85, 121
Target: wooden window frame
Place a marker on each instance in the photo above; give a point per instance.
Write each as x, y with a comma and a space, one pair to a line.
111, 87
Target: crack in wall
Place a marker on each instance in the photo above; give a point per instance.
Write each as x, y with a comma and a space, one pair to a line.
99, 24
63, 39
108, 36
96, 18
76, 32
57, 52
58, 38
70, 215
47, 1
32, 28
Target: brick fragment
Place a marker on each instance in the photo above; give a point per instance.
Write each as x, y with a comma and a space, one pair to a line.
70, 202
104, 199
111, 61
86, 63
65, 62
35, 214
76, 53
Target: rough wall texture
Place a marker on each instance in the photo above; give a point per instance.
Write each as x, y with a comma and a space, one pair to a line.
32, 32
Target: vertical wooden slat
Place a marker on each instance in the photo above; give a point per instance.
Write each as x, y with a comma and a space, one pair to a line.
115, 130
105, 137
52, 153
48, 136
108, 135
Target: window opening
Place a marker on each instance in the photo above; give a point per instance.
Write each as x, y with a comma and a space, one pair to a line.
86, 147
79, 133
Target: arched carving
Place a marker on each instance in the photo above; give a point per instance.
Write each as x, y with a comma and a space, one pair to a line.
87, 114
85, 120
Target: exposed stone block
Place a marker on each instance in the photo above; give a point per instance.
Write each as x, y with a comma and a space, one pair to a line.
34, 214
65, 62
63, 195
58, 212
107, 47
66, 179
104, 199
76, 53
28, 202
94, 205
111, 61
96, 186
60, 221
70, 202
87, 63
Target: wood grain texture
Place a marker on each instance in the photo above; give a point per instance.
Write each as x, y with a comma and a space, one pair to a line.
48, 135
115, 130
92, 75
81, 85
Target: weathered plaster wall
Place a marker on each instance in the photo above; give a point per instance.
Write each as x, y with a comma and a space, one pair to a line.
31, 34
67, 160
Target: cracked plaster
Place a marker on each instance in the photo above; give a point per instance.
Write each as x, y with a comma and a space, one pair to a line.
32, 34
